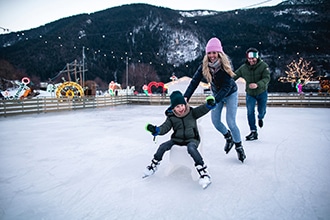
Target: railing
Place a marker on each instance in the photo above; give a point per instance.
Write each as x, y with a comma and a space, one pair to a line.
44, 105
296, 100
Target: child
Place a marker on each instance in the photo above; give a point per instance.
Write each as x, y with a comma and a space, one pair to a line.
183, 120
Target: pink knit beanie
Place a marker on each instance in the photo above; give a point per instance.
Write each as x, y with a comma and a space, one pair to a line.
214, 45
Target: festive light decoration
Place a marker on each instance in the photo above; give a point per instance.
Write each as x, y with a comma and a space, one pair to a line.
145, 90
324, 84
173, 77
26, 80
156, 84
112, 87
22, 86
69, 90
299, 86
298, 71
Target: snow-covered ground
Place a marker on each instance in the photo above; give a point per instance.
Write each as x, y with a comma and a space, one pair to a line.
88, 164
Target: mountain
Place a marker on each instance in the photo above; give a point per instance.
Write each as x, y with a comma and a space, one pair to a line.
146, 42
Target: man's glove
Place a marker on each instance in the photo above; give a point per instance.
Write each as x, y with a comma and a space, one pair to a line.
210, 102
153, 129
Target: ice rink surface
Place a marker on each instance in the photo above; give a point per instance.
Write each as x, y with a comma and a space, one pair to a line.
88, 164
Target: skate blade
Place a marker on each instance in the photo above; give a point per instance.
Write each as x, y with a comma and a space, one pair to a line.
251, 139
206, 185
145, 175
227, 151
205, 182
241, 159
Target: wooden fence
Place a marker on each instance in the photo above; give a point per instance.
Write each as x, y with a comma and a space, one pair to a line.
44, 105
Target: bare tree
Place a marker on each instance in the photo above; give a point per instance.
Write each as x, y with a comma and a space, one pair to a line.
139, 75
100, 83
298, 71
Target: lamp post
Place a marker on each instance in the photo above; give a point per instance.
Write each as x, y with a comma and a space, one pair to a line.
126, 75
83, 61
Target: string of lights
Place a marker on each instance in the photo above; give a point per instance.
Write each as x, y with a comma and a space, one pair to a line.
136, 56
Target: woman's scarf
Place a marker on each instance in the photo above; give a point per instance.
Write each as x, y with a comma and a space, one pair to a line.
214, 67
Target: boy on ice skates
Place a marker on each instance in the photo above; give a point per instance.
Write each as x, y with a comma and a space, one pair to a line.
183, 120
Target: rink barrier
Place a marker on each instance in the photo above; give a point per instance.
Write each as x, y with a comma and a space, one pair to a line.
46, 104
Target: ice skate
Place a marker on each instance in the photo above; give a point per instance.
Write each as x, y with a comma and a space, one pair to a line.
252, 136
240, 152
229, 142
205, 178
151, 169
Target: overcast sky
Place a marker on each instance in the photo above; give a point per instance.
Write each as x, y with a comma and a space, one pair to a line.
18, 15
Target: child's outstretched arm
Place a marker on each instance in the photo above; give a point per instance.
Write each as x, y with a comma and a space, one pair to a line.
203, 109
161, 129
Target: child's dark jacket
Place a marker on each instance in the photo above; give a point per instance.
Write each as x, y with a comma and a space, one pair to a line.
185, 128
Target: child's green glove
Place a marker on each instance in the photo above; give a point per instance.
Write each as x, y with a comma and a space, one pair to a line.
210, 102
153, 129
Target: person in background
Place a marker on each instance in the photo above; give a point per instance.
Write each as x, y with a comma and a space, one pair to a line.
217, 70
183, 120
256, 74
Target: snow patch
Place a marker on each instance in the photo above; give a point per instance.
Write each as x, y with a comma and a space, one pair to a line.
197, 13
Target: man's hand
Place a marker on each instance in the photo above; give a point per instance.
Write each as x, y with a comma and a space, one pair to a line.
253, 85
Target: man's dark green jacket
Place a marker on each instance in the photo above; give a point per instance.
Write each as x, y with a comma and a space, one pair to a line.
258, 73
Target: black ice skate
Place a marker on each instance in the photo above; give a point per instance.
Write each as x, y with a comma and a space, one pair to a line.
205, 178
240, 151
151, 169
229, 142
252, 136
